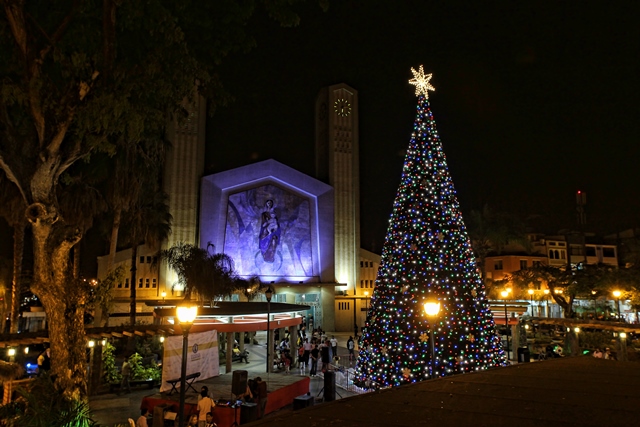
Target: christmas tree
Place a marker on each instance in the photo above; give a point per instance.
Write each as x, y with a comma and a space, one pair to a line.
426, 257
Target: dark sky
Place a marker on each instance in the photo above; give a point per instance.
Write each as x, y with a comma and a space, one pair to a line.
533, 101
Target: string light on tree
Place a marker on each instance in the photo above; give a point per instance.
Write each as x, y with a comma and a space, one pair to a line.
426, 256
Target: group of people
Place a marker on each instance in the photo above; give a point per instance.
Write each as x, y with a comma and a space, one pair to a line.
606, 354
319, 353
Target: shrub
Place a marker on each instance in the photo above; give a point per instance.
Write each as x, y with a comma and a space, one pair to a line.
35, 407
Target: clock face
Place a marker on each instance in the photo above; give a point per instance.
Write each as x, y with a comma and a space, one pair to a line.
342, 107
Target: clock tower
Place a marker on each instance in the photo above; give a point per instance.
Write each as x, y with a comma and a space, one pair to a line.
337, 163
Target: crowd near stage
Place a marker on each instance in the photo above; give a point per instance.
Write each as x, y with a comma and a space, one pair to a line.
283, 389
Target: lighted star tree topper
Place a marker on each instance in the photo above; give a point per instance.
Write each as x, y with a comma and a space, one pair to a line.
426, 256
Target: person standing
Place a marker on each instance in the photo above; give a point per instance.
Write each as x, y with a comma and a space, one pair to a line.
126, 376
262, 396
334, 346
351, 346
307, 352
205, 405
315, 353
325, 354
44, 361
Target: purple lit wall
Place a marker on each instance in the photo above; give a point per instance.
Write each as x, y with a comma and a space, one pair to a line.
268, 232
275, 222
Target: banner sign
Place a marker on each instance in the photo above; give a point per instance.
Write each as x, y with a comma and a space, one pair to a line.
202, 356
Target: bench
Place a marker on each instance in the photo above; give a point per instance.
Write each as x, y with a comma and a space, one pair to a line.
189, 380
237, 356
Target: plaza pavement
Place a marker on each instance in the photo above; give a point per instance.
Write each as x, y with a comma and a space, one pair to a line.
571, 391
110, 409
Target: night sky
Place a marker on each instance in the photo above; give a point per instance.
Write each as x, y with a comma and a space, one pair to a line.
533, 102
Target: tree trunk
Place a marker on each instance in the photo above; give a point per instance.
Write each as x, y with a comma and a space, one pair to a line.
16, 288
113, 243
132, 309
76, 260
63, 298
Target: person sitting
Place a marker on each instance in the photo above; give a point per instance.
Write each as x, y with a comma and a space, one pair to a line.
142, 421
287, 361
212, 419
193, 421
598, 354
239, 356
608, 355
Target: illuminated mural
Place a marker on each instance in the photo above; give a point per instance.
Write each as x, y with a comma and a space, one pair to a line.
268, 232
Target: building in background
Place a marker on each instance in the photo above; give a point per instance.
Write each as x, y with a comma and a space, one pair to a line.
337, 164
299, 233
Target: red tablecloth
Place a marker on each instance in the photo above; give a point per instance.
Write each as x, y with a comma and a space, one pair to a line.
284, 396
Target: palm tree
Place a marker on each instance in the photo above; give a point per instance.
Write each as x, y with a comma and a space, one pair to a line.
148, 221
10, 371
205, 276
131, 166
80, 202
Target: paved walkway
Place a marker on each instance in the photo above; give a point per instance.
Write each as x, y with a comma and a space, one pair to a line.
110, 409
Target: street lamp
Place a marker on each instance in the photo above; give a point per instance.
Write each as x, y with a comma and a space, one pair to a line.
617, 295
432, 308
505, 294
268, 294
531, 299
186, 313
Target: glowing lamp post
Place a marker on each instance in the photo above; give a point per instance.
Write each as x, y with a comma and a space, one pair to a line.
531, 299
505, 294
268, 294
186, 313
617, 294
432, 308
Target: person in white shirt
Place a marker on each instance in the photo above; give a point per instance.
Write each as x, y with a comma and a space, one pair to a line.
205, 405
334, 345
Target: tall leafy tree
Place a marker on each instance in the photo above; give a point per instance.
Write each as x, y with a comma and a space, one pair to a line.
565, 285
132, 166
80, 202
147, 221
12, 208
76, 76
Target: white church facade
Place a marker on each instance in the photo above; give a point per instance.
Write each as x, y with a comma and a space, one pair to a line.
301, 234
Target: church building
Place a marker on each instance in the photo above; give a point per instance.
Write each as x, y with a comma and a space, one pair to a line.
298, 233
